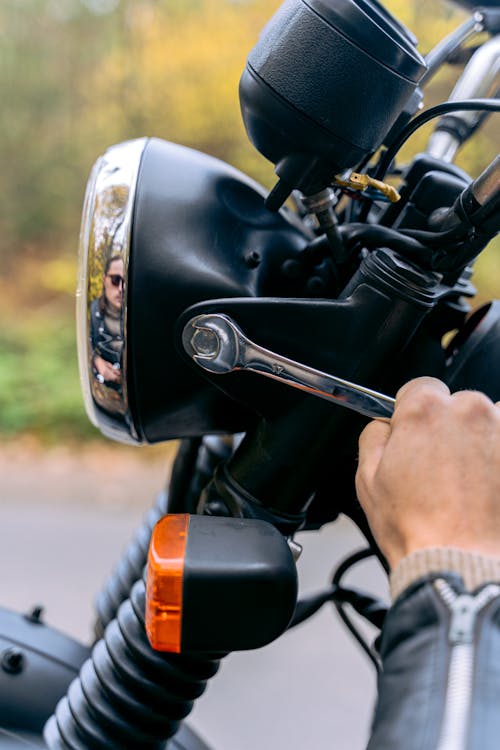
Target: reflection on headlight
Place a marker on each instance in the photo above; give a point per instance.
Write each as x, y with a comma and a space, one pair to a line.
102, 289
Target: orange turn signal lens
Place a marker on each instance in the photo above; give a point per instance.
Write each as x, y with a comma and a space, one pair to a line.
165, 582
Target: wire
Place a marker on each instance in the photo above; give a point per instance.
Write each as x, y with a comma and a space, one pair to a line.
365, 605
374, 235
340, 607
308, 606
347, 564
487, 105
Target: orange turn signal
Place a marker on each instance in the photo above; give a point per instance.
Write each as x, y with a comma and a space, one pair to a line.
217, 584
165, 582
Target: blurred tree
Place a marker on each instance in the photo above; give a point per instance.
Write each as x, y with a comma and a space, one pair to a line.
79, 75
75, 79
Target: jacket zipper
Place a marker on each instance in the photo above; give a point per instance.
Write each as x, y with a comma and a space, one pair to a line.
464, 609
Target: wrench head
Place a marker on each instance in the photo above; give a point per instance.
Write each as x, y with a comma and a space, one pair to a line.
212, 341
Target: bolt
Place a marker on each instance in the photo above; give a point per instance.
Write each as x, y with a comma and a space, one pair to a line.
252, 259
295, 549
36, 614
205, 342
12, 660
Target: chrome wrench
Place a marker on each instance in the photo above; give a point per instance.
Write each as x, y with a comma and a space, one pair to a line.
218, 345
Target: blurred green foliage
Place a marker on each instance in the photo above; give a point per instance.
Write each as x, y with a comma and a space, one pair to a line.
75, 81
39, 388
79, 75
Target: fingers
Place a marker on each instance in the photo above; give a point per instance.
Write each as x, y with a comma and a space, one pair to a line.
374, 437
424, 407
420, 402
417, 385
372, 442
417, 396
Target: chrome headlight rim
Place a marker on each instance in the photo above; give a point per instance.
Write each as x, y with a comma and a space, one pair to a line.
110, 195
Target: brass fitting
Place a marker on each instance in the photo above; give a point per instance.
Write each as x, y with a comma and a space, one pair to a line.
361, 182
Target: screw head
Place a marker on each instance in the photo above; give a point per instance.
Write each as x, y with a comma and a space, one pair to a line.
252, 259
12, 660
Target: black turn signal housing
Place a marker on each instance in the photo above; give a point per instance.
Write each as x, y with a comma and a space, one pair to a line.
216, 585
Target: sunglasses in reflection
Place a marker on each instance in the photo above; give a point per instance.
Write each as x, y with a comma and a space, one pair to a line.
115, 278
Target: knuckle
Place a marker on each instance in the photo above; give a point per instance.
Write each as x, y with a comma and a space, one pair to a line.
367, 433
422, 404
364, 486
473, 404
360, 481
422, 383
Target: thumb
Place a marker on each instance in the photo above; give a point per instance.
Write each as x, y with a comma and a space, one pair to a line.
372, 443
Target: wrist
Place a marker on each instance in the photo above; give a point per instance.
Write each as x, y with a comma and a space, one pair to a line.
474, 568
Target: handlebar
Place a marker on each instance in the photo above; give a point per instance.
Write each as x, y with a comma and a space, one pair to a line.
480, 79
481, 200
476, 206
447, 46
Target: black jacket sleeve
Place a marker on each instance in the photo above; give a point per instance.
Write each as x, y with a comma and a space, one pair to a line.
439, 688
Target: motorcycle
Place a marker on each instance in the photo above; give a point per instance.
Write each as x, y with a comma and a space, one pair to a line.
239, 322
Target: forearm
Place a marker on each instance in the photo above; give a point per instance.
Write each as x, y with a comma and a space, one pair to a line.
441, 668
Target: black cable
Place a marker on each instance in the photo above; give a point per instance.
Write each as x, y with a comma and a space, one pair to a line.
182, 473
437, 238
374, 235
487, 105
365, 605
309, 605
357, 635
353, 559
340, 607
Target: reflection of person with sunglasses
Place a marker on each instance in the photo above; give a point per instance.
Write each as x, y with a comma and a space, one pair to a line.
106, 325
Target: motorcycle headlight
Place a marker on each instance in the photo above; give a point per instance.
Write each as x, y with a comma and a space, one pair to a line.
165, 227
104, 256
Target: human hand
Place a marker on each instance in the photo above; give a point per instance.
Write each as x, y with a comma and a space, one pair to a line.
106, 369
431, 477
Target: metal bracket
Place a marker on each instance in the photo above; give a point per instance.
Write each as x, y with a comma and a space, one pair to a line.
216, 343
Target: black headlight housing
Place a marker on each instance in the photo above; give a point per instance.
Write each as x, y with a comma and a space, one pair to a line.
187, 228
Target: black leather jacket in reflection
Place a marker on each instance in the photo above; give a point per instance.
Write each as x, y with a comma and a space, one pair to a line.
440, 684
104, 343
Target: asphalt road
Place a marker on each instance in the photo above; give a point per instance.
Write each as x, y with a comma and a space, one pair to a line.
313, 688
